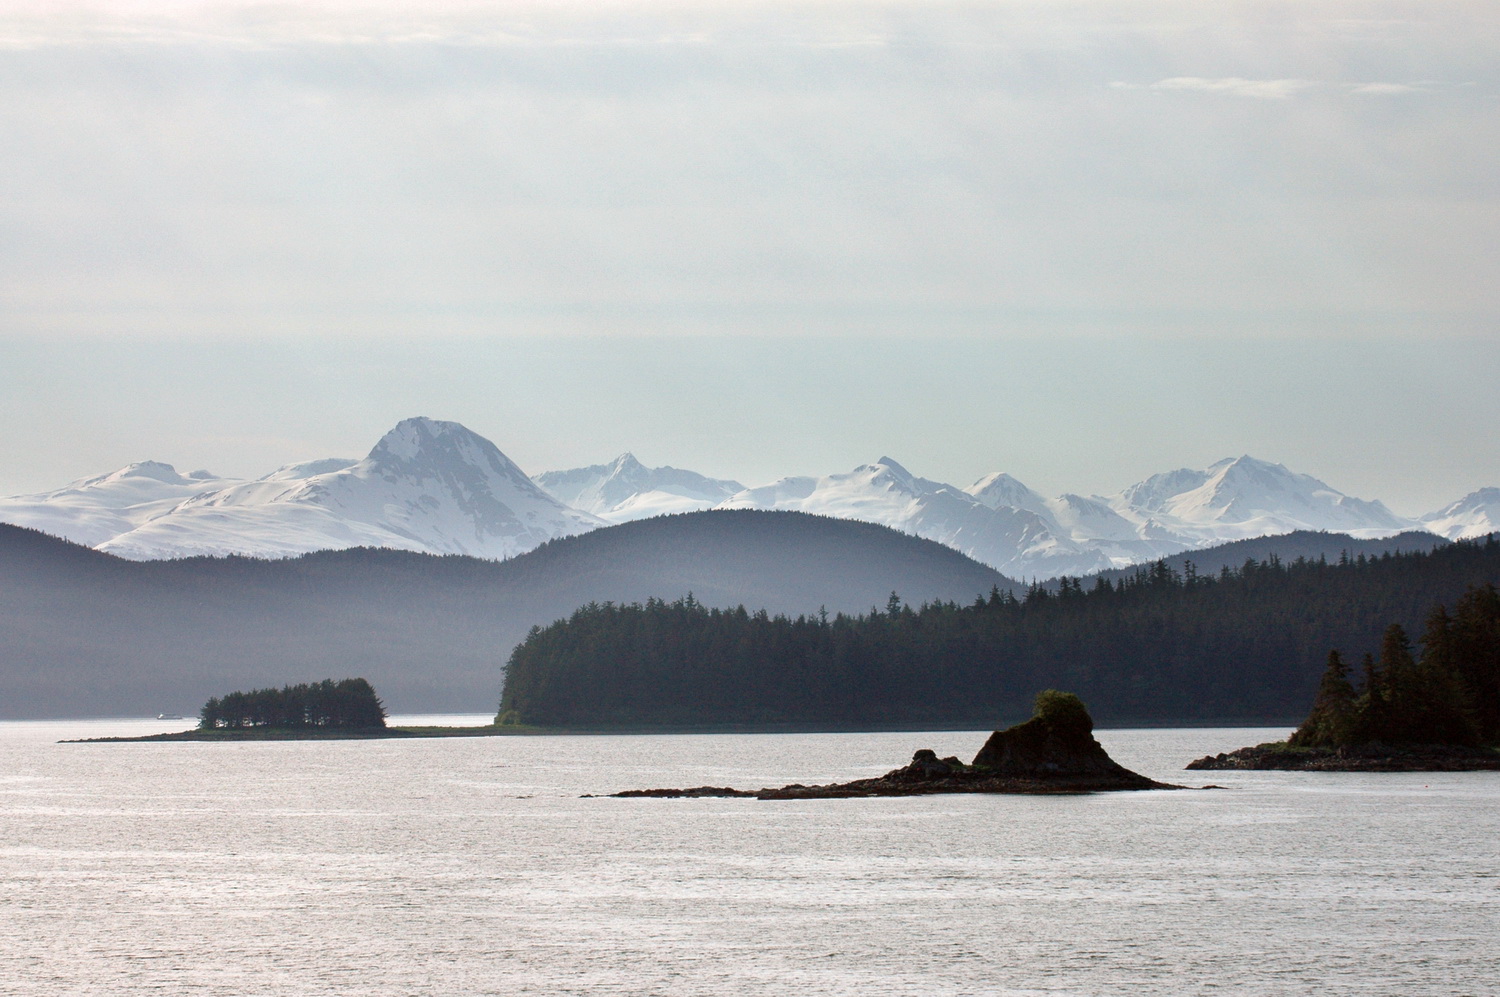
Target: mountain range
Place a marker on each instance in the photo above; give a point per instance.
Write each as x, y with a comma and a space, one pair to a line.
438, 487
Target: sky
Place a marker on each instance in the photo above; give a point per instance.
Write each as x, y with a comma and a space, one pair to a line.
1081, 242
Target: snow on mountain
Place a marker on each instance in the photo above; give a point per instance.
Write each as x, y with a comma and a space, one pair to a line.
1110, 539
90, 511
1474, 515
883, 492
1000, 521
437, 487
1001, 491
426, 486
1016, 542
625, 489
1243, 497
1075, 516
310, 468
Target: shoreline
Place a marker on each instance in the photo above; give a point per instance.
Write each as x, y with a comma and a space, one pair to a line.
361, 734
526, 730
1278, 756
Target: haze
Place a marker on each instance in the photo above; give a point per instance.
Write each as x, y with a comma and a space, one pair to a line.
1081, 242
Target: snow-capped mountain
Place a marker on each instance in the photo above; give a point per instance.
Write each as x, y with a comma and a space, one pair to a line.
882, 492
1090, 523
437, 487
1243, 497
91, 511
1000, 521
1016, 541
625, 489
1001, 491
1474, 515
426, 486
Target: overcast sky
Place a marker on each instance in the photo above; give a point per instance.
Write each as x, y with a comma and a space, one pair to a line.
1081, 242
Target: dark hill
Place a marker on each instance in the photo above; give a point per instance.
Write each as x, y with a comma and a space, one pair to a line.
1287, 547
86, 634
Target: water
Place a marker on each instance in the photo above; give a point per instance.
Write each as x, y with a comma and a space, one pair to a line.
472, 866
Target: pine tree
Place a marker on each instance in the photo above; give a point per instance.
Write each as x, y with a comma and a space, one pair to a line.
1402, 689
1332, 720
1475, 647
1371, 721
1442, 714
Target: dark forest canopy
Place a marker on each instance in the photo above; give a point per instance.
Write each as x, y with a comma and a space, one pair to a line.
349, 704
1449, 695
1158, 646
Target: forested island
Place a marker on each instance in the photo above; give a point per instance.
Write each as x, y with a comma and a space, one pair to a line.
349, 704
1160, 646
326, 710
1439, 711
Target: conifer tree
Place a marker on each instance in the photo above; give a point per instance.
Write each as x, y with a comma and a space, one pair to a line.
1332, 720
1370, 711
1400, 684
1474, 643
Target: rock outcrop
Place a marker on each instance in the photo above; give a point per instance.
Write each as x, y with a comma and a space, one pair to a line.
1053, 752
1057, 745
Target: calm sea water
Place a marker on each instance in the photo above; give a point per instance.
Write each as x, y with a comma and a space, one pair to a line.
458, 867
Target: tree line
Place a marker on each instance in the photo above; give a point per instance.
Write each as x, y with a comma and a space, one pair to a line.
1161, 645
348, 703
1450, 694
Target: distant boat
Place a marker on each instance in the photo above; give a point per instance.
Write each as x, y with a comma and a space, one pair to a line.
170, 716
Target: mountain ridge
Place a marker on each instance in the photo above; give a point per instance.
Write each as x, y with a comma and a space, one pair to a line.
90, 633
438, 487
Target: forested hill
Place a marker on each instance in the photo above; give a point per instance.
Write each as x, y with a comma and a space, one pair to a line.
86, 634
1309, 544
1245, 644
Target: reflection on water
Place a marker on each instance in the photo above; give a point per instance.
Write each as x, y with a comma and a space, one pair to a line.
473, 867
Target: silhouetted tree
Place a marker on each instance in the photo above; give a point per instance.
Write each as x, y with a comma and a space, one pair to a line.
346, 704
1332, 719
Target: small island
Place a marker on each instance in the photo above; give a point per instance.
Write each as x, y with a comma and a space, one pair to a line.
1439, 712
347, 709
1053, 752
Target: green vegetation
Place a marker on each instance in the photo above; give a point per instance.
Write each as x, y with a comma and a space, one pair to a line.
1061, 709
1158, 646
1448, 696
350, 704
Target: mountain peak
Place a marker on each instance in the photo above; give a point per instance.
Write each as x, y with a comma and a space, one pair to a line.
1247, 462
894, 469
625, 464
411, 436
1475, 515
625, 489
1244, 496
422, 449
426, 485
153, 469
